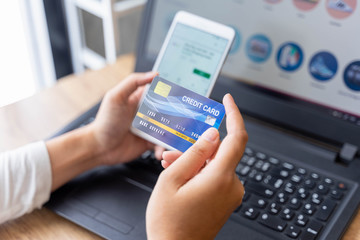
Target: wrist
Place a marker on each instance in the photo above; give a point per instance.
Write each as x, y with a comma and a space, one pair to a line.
72, 154
90, 146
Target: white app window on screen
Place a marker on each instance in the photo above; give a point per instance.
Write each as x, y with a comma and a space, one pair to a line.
191, 58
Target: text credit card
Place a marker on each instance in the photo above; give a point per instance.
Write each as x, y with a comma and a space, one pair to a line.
175, 115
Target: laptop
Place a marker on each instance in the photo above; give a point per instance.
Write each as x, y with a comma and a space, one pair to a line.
294, 72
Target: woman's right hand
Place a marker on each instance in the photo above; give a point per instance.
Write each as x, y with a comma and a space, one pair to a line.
199, 189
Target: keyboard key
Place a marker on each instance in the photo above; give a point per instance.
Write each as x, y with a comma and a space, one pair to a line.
274, 208
325, 210
253, 173
315, 176
272, 222
288, 166
259, 189
259, 164
258, 177
261, 156
301, 220
250, 212
315, 198
281, 197
341, 186
328, 181
302, 193
287, 214
284, 174
336, 194
278, 183
265, 167
292, 231
296, 178
322, 189
273, 181
309, 209
274, 161
249, 151
258, 202
244, 171
244, 159
290, 188
311, 231
309, 184
295, 203
239, 168
251, 161
302, 171
279, 173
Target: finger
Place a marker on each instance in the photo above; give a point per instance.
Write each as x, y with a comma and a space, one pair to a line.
158, 152
165, 164
190, 163
135, 97
171, 156
125, 88
233, 145
234, 120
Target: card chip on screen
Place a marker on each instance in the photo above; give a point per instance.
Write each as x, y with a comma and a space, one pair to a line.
162, 89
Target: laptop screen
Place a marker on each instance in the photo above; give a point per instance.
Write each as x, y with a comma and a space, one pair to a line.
300, 53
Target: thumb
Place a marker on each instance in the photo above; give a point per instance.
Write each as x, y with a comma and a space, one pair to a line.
190, 163
125, 88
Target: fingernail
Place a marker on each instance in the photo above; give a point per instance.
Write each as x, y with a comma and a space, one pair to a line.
163, 163
150, 74
211, 134
228, 95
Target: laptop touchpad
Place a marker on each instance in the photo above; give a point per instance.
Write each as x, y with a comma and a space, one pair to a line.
108, 202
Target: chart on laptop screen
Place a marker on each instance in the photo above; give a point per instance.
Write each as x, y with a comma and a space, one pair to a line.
307, 49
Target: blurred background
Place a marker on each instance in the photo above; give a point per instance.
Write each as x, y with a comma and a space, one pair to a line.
45, 40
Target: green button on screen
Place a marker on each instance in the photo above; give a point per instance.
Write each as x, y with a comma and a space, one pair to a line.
201, 73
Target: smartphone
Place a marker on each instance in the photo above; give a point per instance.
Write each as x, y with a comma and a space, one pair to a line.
194, 52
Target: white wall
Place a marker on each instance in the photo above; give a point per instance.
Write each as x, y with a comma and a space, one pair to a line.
17, 77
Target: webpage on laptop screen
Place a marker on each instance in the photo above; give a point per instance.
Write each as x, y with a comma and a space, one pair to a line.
308, 49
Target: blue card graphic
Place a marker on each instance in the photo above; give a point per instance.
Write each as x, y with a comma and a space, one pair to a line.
175, 115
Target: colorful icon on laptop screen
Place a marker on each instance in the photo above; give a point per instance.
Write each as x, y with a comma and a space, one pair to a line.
306, 5
290, 57
258, 48
352, 76
323, 66
340, 8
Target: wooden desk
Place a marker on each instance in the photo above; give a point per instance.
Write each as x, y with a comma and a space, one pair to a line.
39, 116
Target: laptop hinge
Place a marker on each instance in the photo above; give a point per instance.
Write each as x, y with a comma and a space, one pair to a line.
348, 153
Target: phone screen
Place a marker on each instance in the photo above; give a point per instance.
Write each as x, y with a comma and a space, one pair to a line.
192, 57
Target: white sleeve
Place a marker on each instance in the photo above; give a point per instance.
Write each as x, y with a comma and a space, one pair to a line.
25, 180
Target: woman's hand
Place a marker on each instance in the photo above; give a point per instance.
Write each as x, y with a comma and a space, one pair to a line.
107, 140
199, 189
111, 127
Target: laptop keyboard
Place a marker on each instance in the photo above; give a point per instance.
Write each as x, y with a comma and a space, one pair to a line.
291, 200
